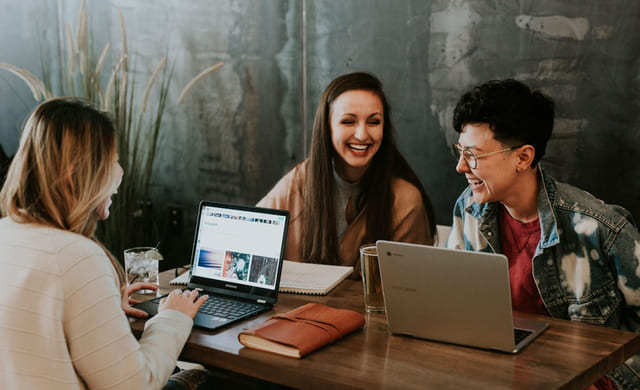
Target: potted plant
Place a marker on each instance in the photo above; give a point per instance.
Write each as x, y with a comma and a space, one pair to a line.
137, 117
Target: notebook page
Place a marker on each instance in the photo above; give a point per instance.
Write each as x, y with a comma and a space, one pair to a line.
309, 278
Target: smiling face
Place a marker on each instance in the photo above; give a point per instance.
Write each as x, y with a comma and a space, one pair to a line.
357, 124
494, 178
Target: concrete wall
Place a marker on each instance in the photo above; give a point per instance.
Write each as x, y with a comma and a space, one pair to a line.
246, 125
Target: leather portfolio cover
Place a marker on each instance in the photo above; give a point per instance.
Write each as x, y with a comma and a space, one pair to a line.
302, 330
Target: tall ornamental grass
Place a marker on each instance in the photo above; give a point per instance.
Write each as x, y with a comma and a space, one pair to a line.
137, 117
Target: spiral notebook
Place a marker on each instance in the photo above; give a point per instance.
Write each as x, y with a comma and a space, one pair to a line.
312, 279
182, 279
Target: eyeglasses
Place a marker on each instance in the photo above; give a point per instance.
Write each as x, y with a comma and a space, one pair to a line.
471, 158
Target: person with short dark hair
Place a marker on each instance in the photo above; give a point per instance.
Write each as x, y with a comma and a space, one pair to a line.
570, 255
355, 187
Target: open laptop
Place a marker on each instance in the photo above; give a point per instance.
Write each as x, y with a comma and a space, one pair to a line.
453, 296
237, 260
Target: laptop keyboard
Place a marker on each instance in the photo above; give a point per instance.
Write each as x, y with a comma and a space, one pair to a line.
520, 334
228, 308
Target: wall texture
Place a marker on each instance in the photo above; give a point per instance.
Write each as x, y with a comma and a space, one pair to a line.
246, 125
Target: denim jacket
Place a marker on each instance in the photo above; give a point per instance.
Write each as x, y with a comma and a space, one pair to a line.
586, 265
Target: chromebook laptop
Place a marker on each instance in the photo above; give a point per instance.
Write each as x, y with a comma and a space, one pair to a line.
237, 260
452, 296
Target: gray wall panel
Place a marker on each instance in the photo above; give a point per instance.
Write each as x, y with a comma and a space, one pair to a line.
244, 126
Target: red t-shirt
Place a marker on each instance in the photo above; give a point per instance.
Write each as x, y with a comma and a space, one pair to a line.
519, 241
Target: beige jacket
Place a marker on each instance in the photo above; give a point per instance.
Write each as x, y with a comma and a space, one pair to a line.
409, 217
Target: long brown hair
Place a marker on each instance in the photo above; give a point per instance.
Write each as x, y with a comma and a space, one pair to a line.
320, 240
63, 169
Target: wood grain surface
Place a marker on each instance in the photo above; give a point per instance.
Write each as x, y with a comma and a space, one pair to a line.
568, 355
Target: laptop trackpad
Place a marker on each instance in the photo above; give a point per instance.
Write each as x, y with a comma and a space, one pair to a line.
209, 321
205, 321
150, 307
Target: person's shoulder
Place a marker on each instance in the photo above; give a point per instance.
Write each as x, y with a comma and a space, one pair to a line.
570, 198
405, 192
59, 249
290, 182
295, 175
44, 238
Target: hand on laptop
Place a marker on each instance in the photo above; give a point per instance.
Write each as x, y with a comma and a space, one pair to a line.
186, 301
127, 301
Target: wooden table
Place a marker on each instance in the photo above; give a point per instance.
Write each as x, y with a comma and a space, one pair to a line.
568, 355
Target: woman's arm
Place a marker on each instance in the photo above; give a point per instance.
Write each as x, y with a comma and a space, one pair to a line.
101, 346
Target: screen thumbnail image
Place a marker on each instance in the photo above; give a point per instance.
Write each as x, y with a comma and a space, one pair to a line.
211, 259
236, 265
263, 270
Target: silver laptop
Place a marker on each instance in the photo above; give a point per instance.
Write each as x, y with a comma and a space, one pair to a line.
237, 260
452, 296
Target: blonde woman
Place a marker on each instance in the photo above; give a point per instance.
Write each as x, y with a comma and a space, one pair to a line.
62, 294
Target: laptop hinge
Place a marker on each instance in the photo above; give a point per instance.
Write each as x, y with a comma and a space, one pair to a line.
261, 301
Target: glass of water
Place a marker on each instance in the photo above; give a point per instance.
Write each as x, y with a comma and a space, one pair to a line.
142, 264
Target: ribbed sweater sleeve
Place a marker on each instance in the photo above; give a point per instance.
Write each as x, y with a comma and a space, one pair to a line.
61, 323
104, 352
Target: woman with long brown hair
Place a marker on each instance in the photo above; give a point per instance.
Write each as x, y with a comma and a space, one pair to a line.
62, 323
355, 187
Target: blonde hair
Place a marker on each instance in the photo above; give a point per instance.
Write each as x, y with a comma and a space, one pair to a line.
63, 170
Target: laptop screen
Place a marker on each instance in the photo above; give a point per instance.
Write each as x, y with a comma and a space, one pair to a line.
239, 246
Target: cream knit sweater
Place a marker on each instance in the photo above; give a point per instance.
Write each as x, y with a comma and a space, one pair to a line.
61, 323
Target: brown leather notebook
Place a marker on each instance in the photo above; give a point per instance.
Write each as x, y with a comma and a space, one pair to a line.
302, 330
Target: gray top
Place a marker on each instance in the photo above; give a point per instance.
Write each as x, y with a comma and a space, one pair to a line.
342, 191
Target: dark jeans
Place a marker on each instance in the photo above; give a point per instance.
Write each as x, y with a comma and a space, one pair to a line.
216, 378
